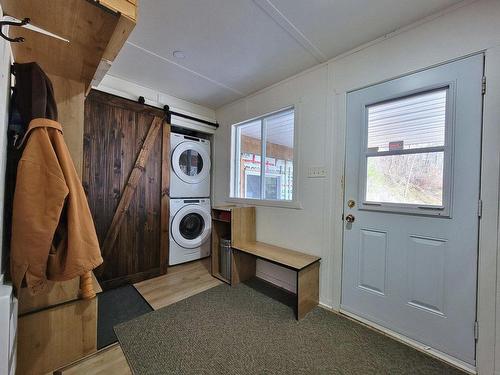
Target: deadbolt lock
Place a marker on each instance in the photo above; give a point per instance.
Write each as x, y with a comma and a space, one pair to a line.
350, 218
351, 203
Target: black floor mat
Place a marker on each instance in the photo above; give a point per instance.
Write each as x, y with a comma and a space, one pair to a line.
117, 306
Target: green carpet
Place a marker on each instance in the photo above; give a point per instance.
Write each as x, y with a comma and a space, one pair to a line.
247, 330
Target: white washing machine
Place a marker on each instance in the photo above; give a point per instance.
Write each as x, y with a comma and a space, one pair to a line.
190, 229
190, 170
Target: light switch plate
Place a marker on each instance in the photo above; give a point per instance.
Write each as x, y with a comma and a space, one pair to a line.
316, 172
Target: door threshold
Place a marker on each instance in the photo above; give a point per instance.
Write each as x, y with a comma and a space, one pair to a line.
452, 361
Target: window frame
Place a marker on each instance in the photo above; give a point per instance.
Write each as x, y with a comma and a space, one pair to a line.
445, 210
235, 162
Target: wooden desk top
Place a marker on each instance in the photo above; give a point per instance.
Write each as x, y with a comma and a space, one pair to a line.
286, 257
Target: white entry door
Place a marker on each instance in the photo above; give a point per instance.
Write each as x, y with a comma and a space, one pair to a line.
412, 177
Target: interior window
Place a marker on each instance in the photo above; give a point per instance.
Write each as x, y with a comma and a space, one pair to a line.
405, 150
270, 139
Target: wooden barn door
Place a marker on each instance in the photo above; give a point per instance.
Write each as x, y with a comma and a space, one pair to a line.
126, 177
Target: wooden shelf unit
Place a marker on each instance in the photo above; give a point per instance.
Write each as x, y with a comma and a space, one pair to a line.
238, 224
234, 223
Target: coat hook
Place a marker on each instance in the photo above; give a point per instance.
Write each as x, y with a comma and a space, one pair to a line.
13, 23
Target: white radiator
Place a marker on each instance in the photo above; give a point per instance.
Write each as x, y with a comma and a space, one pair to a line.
8, 330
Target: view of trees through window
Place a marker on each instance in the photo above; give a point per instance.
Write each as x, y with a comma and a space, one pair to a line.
405, 150
408, 179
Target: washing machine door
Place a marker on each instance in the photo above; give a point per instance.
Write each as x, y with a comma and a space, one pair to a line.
191, 162
191, 226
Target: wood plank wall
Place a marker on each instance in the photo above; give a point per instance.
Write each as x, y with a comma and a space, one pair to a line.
70, 97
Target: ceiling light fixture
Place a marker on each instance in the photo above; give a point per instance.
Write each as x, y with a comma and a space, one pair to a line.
179, 55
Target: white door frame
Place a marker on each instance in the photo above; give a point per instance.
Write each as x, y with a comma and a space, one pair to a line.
489, 231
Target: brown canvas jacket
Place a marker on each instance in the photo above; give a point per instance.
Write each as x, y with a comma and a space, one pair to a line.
50, 205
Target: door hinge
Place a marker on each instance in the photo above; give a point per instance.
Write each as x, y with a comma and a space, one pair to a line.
483, 85
476, 330
480, 208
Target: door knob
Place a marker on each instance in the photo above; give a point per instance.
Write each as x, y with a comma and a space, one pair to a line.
350, 218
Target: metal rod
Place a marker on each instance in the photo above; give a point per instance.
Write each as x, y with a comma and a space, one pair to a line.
214, 124
169, 113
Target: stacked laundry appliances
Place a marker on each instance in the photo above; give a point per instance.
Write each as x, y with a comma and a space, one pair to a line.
190, 219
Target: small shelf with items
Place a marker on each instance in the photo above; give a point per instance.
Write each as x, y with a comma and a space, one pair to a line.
230, 225
221, 214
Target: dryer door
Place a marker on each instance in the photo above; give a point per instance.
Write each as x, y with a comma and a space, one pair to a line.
191, 226
191, 162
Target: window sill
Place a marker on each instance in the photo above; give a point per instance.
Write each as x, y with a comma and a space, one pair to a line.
267, 203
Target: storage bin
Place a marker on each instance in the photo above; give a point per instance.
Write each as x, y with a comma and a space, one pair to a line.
225, 258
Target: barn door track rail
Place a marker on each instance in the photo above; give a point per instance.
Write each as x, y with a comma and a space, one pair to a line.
169, 114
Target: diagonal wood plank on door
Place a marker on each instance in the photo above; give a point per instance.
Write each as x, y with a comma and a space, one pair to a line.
128, 192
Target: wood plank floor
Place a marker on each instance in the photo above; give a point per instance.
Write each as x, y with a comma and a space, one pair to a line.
179, 283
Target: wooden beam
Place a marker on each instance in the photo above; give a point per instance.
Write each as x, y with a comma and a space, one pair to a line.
165, 199
128, 192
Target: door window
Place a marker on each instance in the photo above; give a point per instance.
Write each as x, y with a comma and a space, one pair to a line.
191, 226
191, 163
406, 156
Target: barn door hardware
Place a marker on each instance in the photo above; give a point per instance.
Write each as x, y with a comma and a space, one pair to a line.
169, 114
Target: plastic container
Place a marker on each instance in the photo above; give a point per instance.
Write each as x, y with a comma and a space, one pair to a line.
225, 258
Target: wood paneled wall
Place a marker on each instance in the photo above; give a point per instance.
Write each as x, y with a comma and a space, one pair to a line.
70, 97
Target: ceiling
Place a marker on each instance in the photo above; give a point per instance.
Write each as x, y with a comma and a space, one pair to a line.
233, 48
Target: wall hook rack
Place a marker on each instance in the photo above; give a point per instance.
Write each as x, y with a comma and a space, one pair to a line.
3, 23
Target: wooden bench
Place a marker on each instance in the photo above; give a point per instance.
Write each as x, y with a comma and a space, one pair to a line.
306, 266
239, 225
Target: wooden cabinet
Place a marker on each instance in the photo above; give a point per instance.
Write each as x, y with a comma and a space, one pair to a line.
55, 328
56, 336
96, 31
238, 225
127, 8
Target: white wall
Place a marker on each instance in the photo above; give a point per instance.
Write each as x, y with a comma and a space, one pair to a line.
320, 93
5, 56
301, 229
